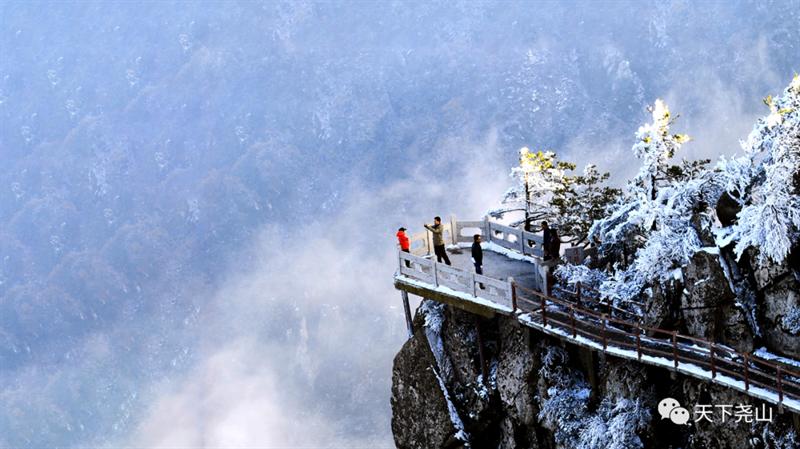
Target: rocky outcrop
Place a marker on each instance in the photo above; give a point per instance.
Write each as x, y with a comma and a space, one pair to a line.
543, 393
420, 415
708, 304
779, 311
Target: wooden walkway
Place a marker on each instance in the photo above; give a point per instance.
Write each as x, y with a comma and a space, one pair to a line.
516, 290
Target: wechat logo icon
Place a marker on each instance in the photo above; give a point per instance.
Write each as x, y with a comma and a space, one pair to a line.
671, 409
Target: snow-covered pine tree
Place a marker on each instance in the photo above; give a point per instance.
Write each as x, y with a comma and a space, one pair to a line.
652, 221
765, 182
538, 175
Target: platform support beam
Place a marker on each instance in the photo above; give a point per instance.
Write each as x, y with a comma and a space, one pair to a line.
407, 309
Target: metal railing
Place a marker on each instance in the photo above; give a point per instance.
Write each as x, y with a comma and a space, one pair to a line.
576, 320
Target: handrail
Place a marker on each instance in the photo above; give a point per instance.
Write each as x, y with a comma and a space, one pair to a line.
572, 318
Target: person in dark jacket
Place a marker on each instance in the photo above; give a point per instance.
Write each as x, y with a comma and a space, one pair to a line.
551, 244
477, 255
438, 240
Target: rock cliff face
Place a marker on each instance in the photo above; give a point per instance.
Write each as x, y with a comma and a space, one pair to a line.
543, 393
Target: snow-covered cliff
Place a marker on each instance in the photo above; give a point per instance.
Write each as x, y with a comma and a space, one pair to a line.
543, 393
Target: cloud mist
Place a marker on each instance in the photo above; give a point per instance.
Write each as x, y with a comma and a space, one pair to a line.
197, 229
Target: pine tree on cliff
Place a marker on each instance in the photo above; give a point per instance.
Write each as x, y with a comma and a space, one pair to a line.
580, 201
765, 182
544, 190
650, 233
538, 175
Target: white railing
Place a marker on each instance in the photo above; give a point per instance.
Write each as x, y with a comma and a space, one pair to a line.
456, 279
523, 242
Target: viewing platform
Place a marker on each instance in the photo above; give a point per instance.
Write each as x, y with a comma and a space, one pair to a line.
515, 284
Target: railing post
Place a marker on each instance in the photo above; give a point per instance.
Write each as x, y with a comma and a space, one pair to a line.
543, 271
472, 279
780, 386
435, 274
675, 348
605, 338
578, 292
639, 343
746, 374
400, 262
429, 241
572, 319
544, 312
522, 242
713, 364
453, 227
513, 287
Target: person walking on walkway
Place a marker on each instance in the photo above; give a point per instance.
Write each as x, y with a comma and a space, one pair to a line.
405, 245
477, 255
438, 240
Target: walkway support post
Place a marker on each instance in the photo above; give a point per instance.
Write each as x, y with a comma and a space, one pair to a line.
605, 338
512, 286
578, 292
639, 343
481, 354
675, 348
572, 319
746, 374
409, 322
544, 312
712, 350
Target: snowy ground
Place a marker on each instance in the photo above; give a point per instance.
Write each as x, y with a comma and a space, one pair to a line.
497, 265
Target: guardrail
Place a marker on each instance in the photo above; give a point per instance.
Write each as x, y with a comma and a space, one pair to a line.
575, 322
456, 232
464, 281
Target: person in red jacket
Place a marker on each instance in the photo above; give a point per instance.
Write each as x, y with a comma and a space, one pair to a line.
402, 238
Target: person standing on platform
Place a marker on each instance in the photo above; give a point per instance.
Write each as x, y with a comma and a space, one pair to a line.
438, 240
405, 245
402, 239
477, 256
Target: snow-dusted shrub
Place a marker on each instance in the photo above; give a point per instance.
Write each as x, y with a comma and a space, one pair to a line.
772, 440
434, 315
565, 408
791, 321
615, 424
572, 274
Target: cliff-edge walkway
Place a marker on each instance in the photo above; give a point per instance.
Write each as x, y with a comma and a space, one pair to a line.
515, 283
